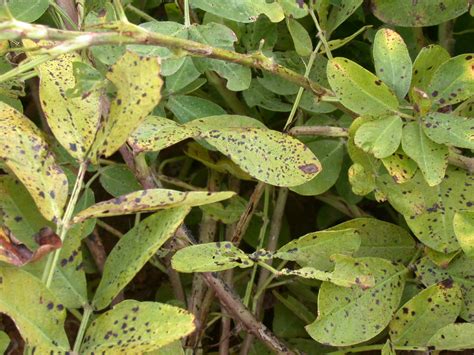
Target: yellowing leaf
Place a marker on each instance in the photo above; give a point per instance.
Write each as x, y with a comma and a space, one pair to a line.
25, 152
267, 155
133, 250
73, 120
134, 327
35, 311
456, 336
138, 84
360, 90
449, 129
463, 224
210, 257
150, 200
400, 167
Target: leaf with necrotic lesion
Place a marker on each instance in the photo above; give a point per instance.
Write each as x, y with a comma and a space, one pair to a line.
138, 83
73, 120
26, 154
150, 200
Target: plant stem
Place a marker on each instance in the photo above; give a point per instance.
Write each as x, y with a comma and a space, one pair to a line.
187, 18
141, 13
82, 328
445, 35
64, 225
127, 33
321, 34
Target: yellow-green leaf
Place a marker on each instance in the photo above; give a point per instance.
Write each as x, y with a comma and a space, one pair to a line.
150, 200
463, 224
138, 84
431, 157
455, 337
400, 167
134, 327
300, 36
73, 120
37, 314
449, 129
360, 90
133, 250
210, 257
25, 152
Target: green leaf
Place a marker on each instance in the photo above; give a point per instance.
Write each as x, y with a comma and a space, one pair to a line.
4, 342
210, 257
453, 81
392, 61
25, 152
388, 349
380, 137
429, 211
118, 180
461, 271
347, 272
258, 95
330, 153
463, 224
188, 108
423, 315
73, 120
381, 239
426, 63
87, 78
419, 13
150, 200
363, 312
340, 12
138, 91
453, 337
27, 10
341, 42
241, 10
137, 327
37, 314
171, 63
19, 212
133, 250
217, 35
400, 167
431, 157
230, 213
315, 249
293, 8
449, 129
300, 36
184, 77
269, 156
360, 90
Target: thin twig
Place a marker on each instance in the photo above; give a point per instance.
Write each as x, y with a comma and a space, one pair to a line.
325, 131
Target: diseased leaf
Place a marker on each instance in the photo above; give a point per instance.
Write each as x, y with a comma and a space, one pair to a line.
449, 129
73, 120
429, 211
241, 10
136, 327
392, 61
301, 38
210, 257
133, 250
429, 59
315, 249
347, 272
150, 200
461, 271
267, 155
330, 153
453, 81
388, 349
363, 312
380, 137
418, 13
229, 213
358, 89
463, 224
138, 86
453, 337
381, 239
431, 157
24, 151
340, 12
362, 181
430, 310
37, 314
400, 167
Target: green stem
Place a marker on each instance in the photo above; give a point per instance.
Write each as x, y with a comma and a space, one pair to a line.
187, 18
141, 13
269, 268
321, 35
64, 225
120, 11
82, 328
